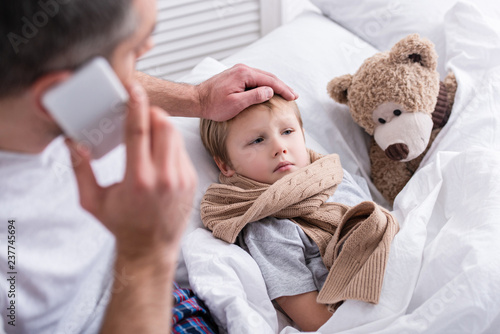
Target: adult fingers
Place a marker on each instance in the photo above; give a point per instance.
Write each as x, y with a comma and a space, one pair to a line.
88, 187
173, 166
168, 148
137, 129
163, 141
188, 180
256, 78
247, 98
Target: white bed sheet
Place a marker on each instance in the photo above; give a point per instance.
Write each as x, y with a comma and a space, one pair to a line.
443, 274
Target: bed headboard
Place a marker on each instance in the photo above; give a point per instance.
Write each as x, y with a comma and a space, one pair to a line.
189, 30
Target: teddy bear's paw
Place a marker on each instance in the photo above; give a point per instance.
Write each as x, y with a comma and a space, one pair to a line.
442, 111
451, 86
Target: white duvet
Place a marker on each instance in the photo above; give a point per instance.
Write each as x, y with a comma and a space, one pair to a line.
443, 274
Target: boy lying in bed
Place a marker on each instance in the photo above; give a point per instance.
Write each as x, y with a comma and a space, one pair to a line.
272, 199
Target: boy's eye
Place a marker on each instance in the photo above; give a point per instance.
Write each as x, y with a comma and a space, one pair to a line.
256, 141
287, 132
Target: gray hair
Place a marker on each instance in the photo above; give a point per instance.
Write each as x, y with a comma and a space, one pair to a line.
40, 36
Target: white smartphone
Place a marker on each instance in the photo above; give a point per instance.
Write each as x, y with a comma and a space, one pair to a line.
90, 107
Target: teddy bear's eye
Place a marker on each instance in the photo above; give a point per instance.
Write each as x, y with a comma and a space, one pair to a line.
381, 121
397, 112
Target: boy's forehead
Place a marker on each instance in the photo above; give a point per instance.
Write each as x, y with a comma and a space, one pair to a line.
253, 120
274, 108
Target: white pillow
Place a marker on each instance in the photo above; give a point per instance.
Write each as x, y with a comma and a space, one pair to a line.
382, 23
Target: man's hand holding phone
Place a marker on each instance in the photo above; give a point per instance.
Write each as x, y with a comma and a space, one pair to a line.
148, 210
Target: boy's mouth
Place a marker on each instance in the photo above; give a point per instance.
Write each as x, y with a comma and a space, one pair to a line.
282, 166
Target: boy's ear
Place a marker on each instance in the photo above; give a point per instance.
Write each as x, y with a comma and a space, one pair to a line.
224, 167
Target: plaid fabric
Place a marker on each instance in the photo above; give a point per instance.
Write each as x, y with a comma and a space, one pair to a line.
190, 315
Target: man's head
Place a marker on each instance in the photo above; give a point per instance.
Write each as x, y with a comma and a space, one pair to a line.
42, 42
42, 36
264, 142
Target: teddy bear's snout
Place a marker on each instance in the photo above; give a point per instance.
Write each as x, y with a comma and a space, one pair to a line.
397, 151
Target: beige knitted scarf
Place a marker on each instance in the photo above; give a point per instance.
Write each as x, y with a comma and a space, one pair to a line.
354, 242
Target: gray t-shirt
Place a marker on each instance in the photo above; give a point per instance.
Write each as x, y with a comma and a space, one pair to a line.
289, 260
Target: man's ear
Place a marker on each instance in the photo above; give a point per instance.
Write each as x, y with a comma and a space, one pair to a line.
42, 85
224, 167
337, 88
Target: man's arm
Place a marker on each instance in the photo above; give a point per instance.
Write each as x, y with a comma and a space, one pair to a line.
147, 213
219, 98
141, 296
178, 99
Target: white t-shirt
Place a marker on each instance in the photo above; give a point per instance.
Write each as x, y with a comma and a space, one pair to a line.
63, 255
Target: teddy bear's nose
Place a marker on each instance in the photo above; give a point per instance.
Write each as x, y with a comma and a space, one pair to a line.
397, 151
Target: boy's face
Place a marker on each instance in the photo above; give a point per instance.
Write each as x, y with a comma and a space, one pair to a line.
265, 145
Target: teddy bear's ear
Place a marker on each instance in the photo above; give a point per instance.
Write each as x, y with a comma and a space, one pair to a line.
337, 88
414, 49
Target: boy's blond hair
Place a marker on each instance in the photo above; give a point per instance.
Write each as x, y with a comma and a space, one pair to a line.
214, 134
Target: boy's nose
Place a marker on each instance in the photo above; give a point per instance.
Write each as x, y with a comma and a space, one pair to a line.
279, 148
281, 151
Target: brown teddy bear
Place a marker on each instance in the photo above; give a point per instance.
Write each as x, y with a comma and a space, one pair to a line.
396, 96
